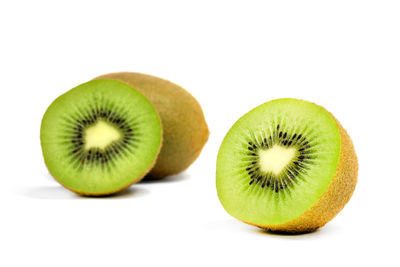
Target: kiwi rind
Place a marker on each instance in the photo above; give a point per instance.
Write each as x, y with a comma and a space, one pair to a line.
333, 198
185, 130
131, 179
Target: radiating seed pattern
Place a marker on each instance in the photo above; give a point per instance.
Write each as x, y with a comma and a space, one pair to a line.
86, 117
292, 172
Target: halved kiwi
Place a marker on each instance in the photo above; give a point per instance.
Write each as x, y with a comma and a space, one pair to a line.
100, 137
287, 165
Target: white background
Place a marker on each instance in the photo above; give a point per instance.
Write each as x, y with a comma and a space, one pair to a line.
232, 56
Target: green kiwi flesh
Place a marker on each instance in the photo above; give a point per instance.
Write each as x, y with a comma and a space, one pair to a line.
100, 137
283, 160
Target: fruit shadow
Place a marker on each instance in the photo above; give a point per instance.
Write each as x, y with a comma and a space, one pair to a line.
169, 179
58, 192
306, 235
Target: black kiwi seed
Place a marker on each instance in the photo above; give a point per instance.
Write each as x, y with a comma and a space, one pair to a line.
263, 184
277, 183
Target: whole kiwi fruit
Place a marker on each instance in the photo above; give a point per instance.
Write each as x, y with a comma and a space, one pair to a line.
185, 130
286, 166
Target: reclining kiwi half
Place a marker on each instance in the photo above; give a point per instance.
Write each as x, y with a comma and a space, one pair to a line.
287, 166
100, 137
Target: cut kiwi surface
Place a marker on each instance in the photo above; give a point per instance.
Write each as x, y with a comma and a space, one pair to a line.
287, 165
100, 137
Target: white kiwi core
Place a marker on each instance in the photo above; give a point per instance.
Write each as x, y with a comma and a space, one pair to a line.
101, 135
276, 158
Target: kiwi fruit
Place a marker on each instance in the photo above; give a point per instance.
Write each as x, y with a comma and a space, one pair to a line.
287, 166
185, 130
100, 137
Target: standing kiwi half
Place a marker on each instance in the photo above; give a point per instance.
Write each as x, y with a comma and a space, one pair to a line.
287, 166
100, 137
184, 127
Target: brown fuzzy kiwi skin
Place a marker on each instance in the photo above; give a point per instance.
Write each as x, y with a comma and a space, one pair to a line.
335, 197
185, 130
112, 192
